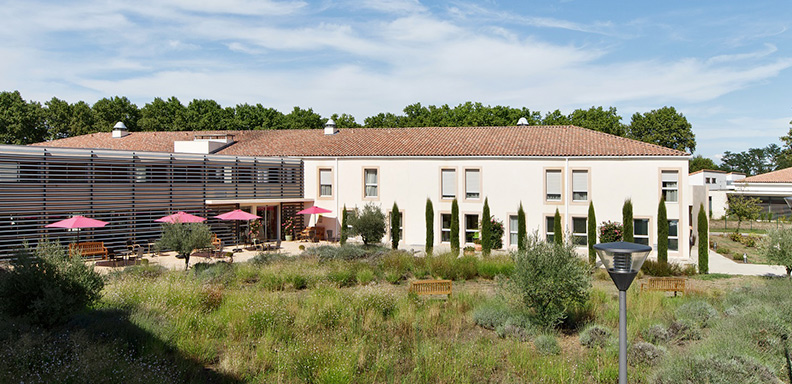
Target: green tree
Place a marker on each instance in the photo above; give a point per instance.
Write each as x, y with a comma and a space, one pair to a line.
58, 118
662, 233
383, 120
370, 224
455, 227
745, 208
45, 286
699, 162
703, 241
161, 115
486, 229
598, 119
83, 120
429, 226
184, 238
550, 280
206, 115
395, 225
756, 161
345, 121
663, 127
108, 112
344, 227
556, 118
777, 248
21, 122
522, 230
303, 119
592, 233
558, 231
627, 220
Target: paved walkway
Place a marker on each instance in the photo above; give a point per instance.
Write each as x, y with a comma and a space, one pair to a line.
721, 264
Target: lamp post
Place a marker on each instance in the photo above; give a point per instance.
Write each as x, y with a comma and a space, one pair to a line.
623, 261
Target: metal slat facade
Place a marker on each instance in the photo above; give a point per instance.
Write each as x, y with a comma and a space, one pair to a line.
39, 186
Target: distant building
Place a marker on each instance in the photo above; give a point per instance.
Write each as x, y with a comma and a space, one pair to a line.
719, 184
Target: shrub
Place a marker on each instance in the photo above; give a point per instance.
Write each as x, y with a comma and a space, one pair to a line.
680, 332
735, 237
697, 312
595, 336
46, 287
343, 277
550, 279
268, 257
491, 314
365, 276
654, 268
655, 334
610, 231
215, 273
496, 234
398, 262
370, 224
643, 353
466, 267
715, 369
778, 248
492, 266
547, 345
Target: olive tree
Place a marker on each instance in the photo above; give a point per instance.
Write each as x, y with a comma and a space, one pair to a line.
370, 224
745, 208
778, 248
184, 238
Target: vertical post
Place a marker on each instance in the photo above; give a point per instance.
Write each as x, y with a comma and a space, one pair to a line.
622, 337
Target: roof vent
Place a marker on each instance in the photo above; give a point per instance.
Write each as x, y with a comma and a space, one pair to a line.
522, 122
330, 127
120, 130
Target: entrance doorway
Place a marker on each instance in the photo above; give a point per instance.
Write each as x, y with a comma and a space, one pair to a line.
269, 222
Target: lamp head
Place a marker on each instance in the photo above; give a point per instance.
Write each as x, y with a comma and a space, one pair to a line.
623, 260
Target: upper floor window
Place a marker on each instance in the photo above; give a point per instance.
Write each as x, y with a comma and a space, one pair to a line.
670, 180
472, 184
325, 182
448, 183
553, 185
579, 185
370, 178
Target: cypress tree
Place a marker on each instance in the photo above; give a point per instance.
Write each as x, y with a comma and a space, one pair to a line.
344, 227
703, 241
486, 229
627, 221
522, 231
395, 222
558, 234
429, 226
592, 233
455, 227
662, 233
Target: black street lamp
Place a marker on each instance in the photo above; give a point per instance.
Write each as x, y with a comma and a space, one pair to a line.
623, 261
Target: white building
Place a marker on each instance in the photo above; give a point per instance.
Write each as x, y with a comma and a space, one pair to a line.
719, 185
546, 168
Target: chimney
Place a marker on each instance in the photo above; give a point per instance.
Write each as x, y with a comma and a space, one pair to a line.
330, 127
120, 130
523, 122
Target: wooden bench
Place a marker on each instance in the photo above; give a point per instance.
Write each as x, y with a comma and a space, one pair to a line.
89, 248
667, 284
431, 287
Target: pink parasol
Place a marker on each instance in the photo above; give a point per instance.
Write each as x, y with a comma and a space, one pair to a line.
77, 222
240, 215
313, 210
180, 217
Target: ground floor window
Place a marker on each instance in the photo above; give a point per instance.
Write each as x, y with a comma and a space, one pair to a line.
401, 225
513, 229
549, 225
471, 228
673, 235
445, 227
641, 231
579, 234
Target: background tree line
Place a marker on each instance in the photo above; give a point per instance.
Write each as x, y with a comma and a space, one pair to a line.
25, 122
753, 161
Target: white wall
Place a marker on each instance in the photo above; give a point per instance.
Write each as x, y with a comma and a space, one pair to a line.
505, 182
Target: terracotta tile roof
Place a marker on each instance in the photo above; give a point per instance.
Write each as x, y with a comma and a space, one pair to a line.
779, 176
425, 141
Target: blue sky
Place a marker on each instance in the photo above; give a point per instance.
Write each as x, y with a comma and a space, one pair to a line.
724, 64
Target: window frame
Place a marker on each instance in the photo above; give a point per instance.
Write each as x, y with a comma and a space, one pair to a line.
480, 183
445, 230
401, 228
469, 230
513, 231
648, 235
376, 185
455, 184
676, 238
319, 184
577, 235
549, 228
545, 172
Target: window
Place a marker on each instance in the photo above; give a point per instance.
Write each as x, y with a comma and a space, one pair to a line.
326, 182
370, 180
579, 185
401, 225
669, 179
445, 227
549, 227
579, 231
553, 185
448, 183
513, 229
673, 235
472, 184
471, 228
641, 231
